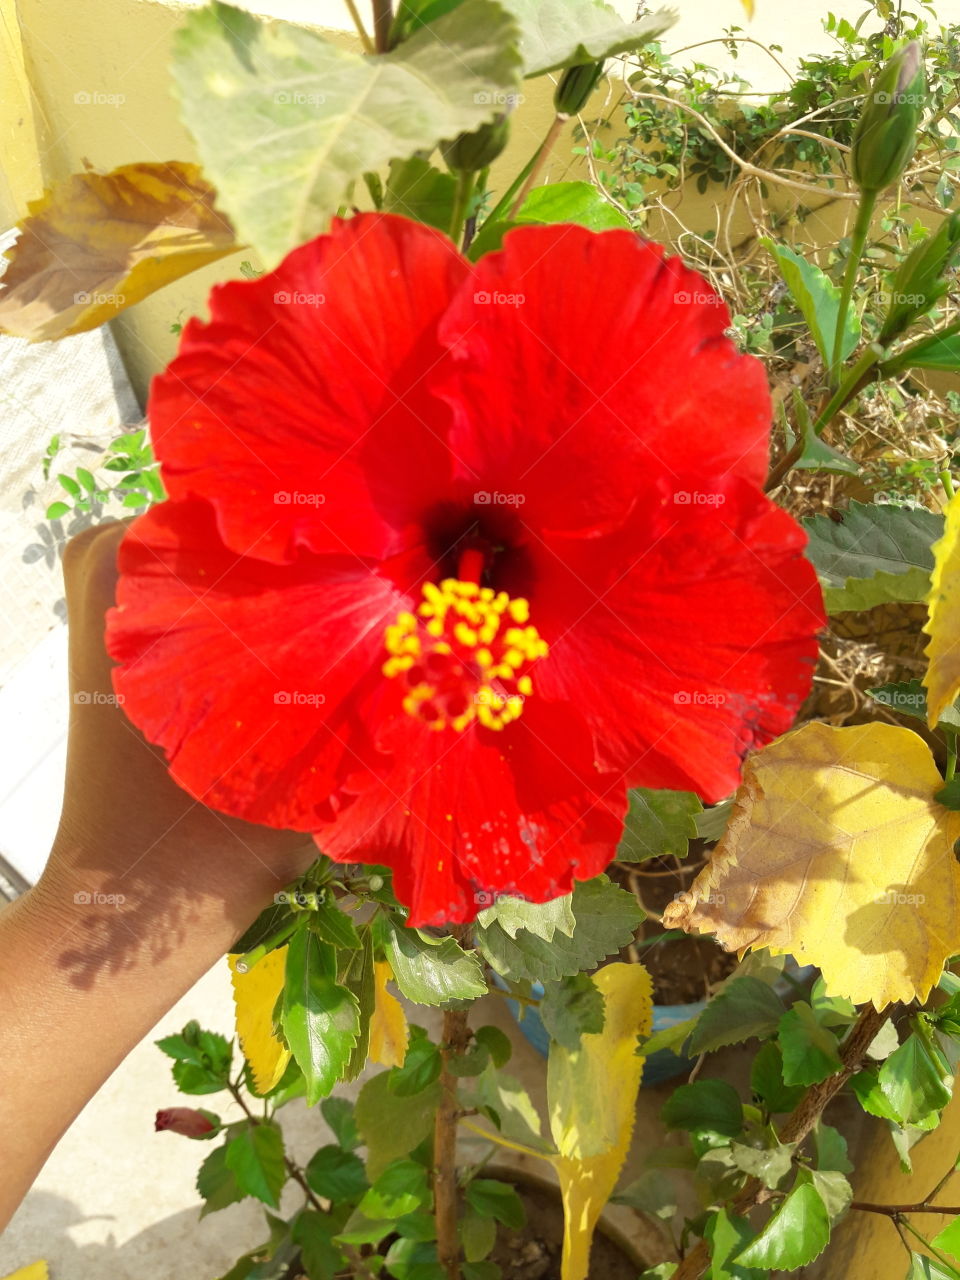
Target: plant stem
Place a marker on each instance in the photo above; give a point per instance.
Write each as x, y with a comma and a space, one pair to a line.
382, 22
798, 1125
546, 146
951, 768
946, 479
461, 203
454, 1039
925, 1242
858, 243
358, 23
893, 1210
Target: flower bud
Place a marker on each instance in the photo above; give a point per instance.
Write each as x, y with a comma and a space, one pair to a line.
919, 282
575, 86
471, 152
886, 133
187, 1121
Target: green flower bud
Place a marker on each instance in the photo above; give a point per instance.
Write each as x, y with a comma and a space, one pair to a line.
471, 152
919, 282
575, 86
886, 133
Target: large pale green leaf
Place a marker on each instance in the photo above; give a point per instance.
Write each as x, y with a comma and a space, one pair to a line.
818, 299
937, 353
285, 122
391, 1126
255, 1157
744, 1008
562, 33
432, 970
878, 553
540, 918
796, 1233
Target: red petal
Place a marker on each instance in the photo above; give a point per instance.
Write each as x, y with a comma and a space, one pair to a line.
585, 361
463, 816
687, 640
309, 423
251, 676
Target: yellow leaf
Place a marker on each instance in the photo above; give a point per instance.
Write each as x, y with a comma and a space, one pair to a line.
942, 680
837, 853
255, 994
35, 1271
99, 242
592, 1098
389, 1034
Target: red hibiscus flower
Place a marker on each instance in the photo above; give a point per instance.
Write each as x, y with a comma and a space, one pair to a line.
456, 553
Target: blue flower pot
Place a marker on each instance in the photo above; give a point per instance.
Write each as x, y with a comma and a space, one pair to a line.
660, 1066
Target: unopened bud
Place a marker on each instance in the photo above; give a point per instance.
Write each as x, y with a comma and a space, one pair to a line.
886, 133
575, 87
187, 1121
471, 152
920, 280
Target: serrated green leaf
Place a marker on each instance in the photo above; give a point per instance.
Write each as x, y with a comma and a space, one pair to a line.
949, 1238
728, 1234
744, 1008
923, 1268
912, 1081
767, 1083
712, 1105
542, 919
606, 919
336, 1174
909, 698
417, 190
818, 299
390, 1126
336, 927
255, 1157
499, 1095
712, 823
770, 1164
432, 970
338, 1113
561, 33
797, 1232
493, 1199
572, 1008
810, 1050
421, 1066
553, 202
312, 1232
834, 1190
658, 823
358, 976
285, 121
400, 1188
320, 1019
879, 553
217, 1183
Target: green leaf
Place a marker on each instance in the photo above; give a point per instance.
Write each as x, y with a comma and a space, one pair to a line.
561, 33
419, 191
658, 823
255, 1157
935, 353
432, 970
312, 1232
673, 1037
831, 1148
390, 1126
414, 1260
712, 823
770, 1164
493, 1199
909, 698
216, 1182
542, 919
71, 486
571, 1008
57, 509
478, 1235
818, 299
712, 1105
923, 1268
320, 1019
810, 1051
606, 919
949, 1238
866, 1087
834, 1190
553, 202
797, 1232
509, 1107
338, 1113
879, 553
728, 1234
86, 479
336, 927
336, 1174
496, 1043
767, 1083
421, 1066
911, 1080
742, 1009
357, 975
284, 121
400, 1188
